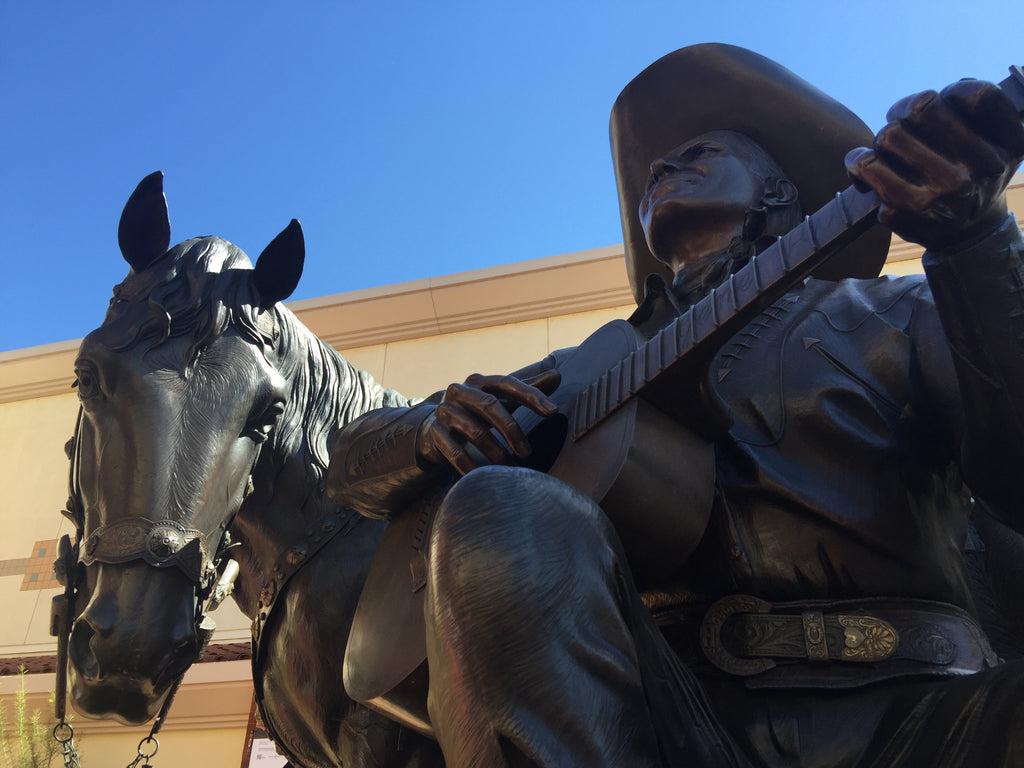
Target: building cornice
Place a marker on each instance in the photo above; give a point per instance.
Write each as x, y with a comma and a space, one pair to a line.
479, 298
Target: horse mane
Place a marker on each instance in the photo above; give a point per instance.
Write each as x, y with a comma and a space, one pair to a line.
326, 393
201, 288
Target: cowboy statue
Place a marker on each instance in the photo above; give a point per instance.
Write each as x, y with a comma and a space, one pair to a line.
784, 582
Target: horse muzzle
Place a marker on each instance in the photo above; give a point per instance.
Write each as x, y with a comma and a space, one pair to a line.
134, 638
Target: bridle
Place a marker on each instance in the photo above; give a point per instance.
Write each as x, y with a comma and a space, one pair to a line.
160, 544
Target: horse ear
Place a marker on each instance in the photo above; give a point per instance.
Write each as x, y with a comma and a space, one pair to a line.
279, 267
144, 233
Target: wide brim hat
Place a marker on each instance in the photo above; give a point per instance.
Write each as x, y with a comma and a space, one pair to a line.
718, 87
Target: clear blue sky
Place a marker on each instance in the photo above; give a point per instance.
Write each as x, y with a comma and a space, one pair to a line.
411, 139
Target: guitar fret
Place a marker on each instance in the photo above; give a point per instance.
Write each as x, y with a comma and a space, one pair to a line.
626, 380
580, 419
783, 248
592, 402
843, 210
636, 364
652, 359
684, 329
615, 382
810, 232
602, 395
668, 347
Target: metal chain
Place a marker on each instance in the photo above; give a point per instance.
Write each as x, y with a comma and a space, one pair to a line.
62, 618
143, 755
64, 735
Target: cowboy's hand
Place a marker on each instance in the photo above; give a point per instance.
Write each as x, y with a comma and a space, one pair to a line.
942, 163
470, 410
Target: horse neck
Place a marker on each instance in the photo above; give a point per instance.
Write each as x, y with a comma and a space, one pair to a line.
289, 490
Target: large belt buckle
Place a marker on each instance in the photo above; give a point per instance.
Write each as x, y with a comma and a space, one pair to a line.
867, 638
711, 635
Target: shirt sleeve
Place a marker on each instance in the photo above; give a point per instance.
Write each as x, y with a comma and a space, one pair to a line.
978, 290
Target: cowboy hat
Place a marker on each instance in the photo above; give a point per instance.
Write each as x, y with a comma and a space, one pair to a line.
718, 87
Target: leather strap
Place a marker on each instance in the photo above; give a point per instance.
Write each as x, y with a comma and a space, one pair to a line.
316, 537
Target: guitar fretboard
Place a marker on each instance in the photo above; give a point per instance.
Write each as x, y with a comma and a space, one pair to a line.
726, 309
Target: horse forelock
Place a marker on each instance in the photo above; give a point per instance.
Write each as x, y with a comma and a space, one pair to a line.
199, 288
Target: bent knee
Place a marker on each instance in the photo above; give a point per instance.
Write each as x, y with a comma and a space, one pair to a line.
512, 526
494, 502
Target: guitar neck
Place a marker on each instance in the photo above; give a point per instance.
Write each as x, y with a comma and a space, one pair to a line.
762, 281
710, 322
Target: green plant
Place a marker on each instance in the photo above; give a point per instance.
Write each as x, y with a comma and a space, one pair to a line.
26, 740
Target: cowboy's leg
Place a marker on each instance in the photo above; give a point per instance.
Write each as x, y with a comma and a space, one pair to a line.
973, 721
532, 658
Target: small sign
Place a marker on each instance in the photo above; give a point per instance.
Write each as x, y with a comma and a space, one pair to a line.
264, 755
258, 750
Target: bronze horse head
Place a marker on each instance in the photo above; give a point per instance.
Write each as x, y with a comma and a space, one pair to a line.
203, 439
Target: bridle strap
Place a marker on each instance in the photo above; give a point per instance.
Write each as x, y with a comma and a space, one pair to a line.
62, 611
317, 536
159, 543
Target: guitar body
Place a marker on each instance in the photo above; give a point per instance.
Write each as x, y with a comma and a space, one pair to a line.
653, 478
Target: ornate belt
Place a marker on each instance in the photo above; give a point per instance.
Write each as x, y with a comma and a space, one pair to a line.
841, 643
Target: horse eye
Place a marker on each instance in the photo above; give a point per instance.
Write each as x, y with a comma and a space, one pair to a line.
259, 429
87, 383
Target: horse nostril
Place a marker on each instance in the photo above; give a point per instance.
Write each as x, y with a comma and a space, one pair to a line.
81, 653
181, 659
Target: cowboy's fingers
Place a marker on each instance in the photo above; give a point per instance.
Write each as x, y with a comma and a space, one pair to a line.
472, 421
920, 164
949, 132
475, 411
869, 171
443, 444
512, 390
546, 381
988, 110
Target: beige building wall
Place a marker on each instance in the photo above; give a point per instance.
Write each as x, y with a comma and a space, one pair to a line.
415, 337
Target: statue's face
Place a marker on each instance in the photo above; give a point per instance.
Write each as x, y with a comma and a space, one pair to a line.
706, 183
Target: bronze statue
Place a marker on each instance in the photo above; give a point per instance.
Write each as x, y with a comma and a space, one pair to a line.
201, 449
802, 598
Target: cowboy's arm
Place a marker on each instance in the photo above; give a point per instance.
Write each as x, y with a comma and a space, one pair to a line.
374, 466
979, 293
941, 167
